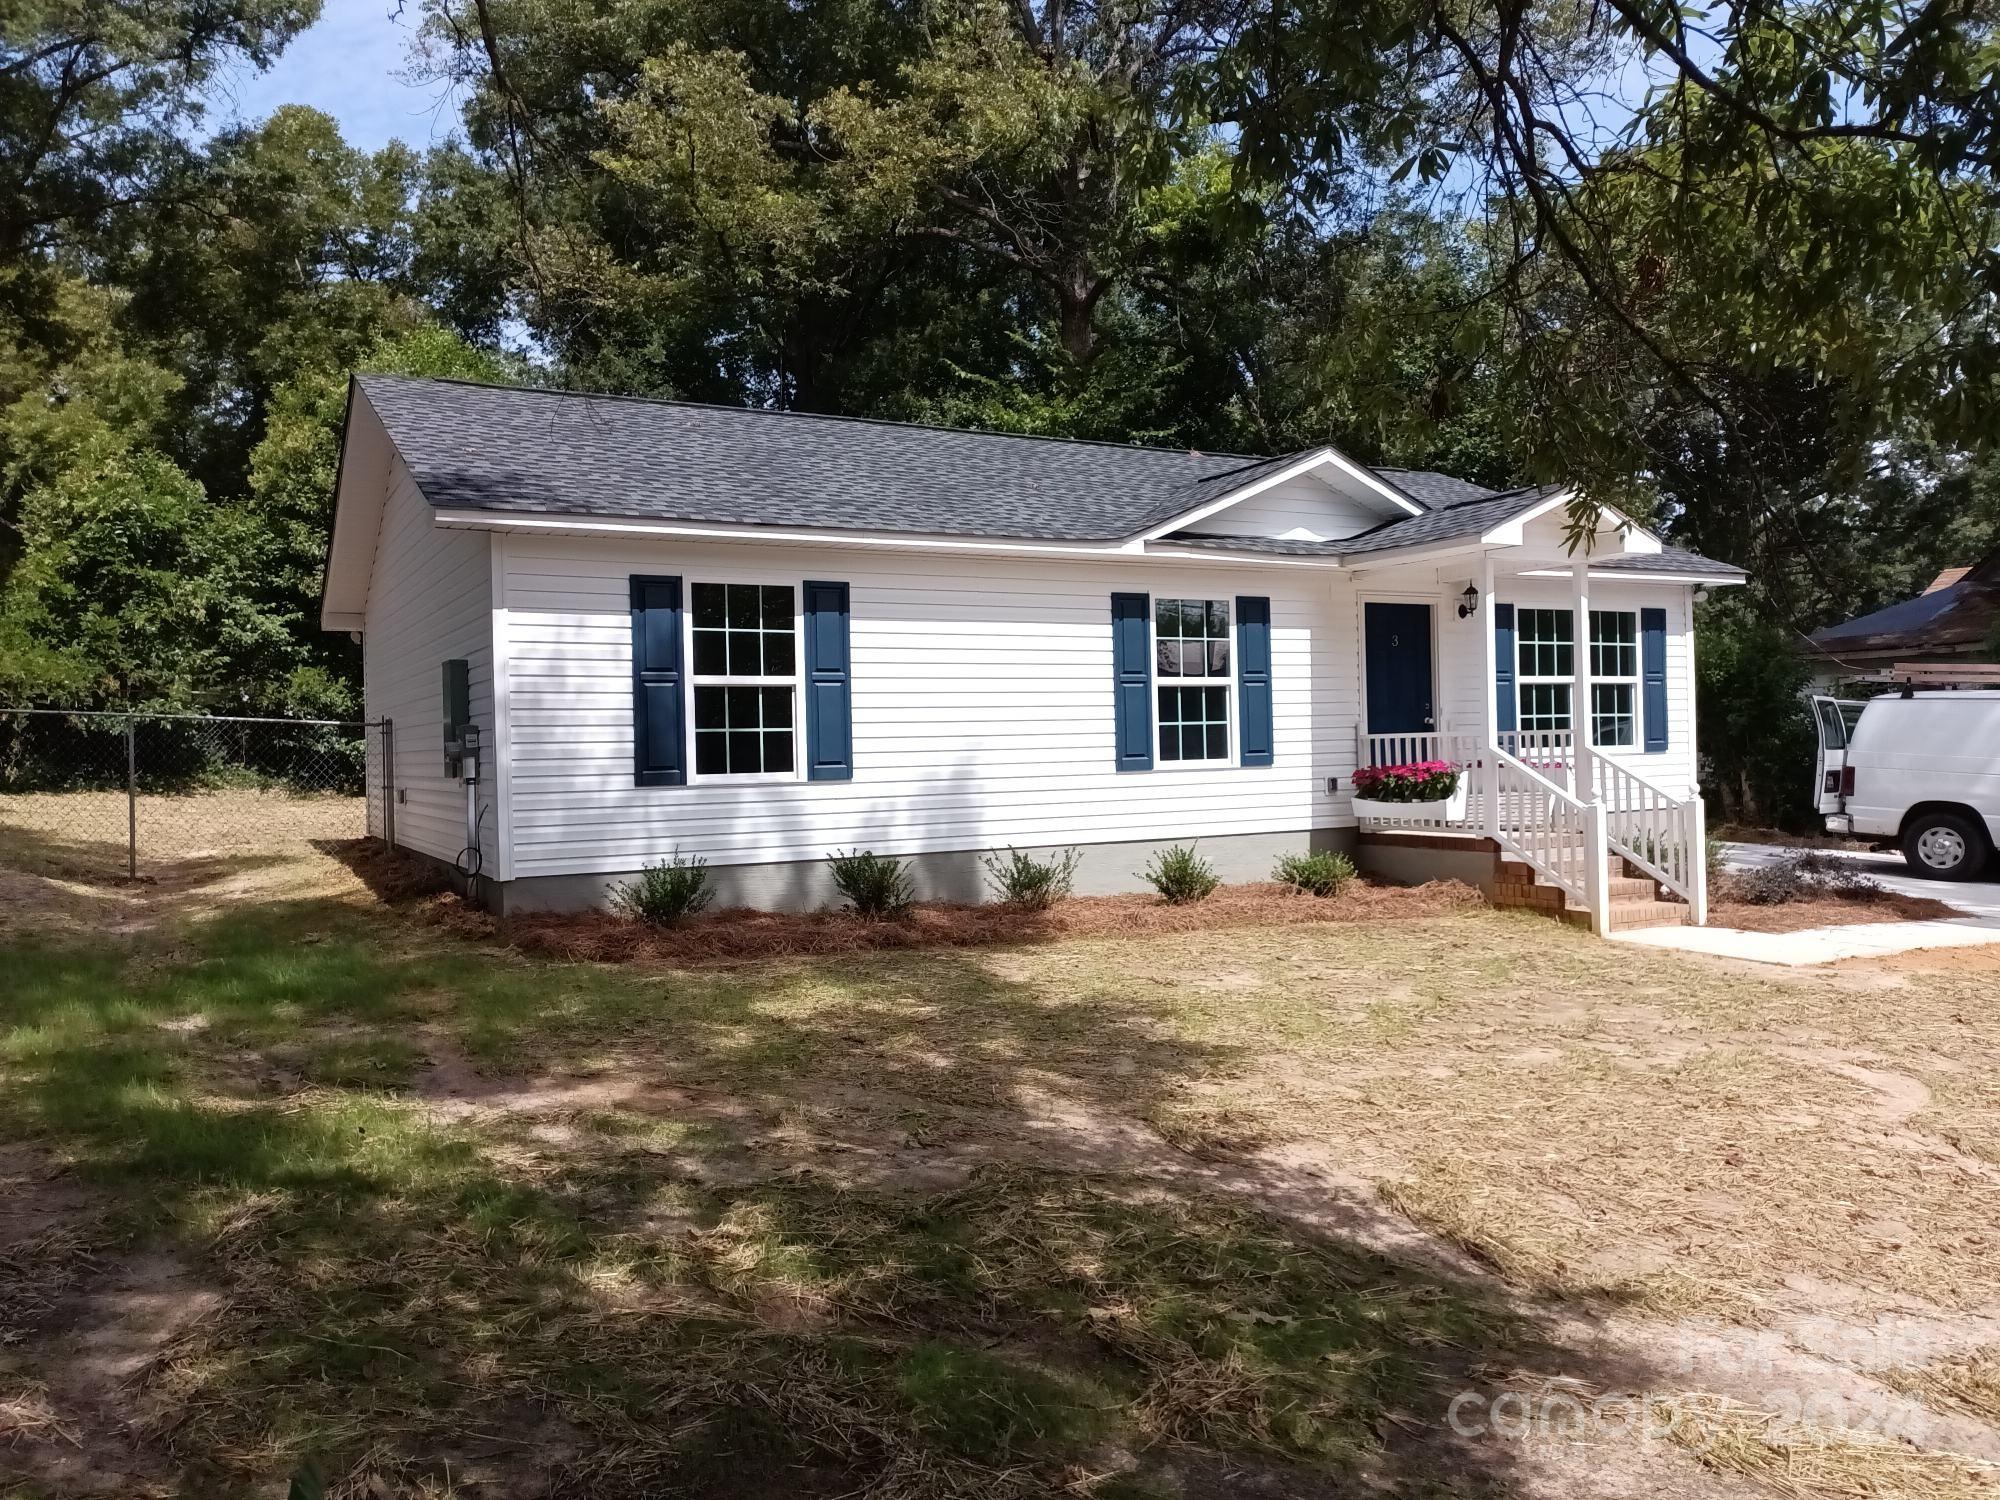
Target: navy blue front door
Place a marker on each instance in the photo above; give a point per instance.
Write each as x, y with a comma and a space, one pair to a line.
1398, 646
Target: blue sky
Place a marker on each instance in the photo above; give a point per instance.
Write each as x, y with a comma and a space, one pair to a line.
354, 64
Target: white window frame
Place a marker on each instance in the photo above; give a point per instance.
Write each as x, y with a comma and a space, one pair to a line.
1523, 680
1629, 680
1227, 682
796, 681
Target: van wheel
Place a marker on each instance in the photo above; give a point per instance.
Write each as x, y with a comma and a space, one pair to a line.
1945, 846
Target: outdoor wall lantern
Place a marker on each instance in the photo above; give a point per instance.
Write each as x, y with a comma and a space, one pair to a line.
1468, 603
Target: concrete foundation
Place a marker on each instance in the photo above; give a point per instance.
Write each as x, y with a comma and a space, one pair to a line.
1413, 858
955, 875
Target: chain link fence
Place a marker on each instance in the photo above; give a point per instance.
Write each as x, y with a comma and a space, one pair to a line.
128, 794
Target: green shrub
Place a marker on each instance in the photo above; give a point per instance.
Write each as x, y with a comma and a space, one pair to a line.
1029, 883
874, 884
1180, 875
666, 892
1322, 873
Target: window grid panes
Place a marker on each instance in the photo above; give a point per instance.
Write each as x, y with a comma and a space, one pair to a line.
1194, 723
1544, 705
1614, 662
743, 630
1191, 637
745, 658
1191, 641
742, 731
1547, 643
1545, 652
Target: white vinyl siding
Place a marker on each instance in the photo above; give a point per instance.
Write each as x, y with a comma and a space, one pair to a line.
1303, 509
430, 598
1461, 663
982, 710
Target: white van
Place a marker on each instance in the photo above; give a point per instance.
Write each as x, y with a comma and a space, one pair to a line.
1922, 769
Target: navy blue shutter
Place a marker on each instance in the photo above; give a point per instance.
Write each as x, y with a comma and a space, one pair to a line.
829, 685
1132, 679
1253, 678
659, 716
1503, 665
1653, 675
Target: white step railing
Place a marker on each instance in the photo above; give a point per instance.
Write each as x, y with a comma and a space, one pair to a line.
1529, 797
1657, 832
1557, 836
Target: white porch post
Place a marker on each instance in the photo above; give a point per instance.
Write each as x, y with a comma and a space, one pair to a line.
1582, 782
1583, 779
1489, 730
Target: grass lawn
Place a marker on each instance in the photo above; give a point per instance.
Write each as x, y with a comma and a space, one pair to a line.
288, 1174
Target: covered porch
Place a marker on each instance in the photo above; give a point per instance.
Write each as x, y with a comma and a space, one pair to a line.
1560, 687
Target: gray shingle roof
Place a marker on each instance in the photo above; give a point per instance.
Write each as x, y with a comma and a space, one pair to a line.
522, 450
1434, 491
527, 451
1277, 545
1670, 560
1467, 518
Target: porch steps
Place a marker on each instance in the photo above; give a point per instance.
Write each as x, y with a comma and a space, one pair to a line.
1635, 898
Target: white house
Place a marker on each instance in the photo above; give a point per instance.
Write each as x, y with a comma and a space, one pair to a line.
760, 637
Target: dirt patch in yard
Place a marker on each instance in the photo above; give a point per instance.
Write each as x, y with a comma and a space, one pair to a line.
1827, 911
740, 935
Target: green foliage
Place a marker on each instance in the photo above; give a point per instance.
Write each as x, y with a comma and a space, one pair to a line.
1180, 875
1757, 737
1030, 883
1324, 872
132, 587
667, 892
873, 884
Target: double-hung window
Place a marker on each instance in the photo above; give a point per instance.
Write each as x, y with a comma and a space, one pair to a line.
1614, 670
1546, 646
745, 655
1546, 650
1193, 672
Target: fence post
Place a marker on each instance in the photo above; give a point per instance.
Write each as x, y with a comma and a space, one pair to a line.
131, 797
389, 782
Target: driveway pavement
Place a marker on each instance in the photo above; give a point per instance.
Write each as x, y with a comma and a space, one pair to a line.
1977, 902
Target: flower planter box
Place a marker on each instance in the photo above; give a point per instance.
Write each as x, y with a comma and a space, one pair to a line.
1449, 809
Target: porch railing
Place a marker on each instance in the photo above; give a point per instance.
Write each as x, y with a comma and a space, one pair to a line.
1403, 749
1659, 833
1529, 797
1558, 836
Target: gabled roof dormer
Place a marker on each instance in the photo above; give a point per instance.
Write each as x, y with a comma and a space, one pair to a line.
1318, 495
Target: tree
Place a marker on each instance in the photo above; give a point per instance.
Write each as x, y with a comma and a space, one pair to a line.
95, 100
132, 590
288, 513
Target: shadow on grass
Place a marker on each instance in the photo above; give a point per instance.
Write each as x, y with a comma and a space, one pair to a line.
604, 1305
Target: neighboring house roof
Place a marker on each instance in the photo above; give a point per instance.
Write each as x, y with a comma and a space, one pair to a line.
1959, 617
521, 450
1946, 579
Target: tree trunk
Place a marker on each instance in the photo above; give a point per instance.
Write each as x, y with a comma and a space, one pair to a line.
1077, 295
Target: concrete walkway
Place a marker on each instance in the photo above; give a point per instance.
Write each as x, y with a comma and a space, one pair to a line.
1978, 903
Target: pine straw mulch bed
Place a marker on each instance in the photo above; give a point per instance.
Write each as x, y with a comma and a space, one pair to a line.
739, 935
1824, 911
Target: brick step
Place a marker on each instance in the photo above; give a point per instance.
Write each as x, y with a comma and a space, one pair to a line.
1626, 915
1623, 887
